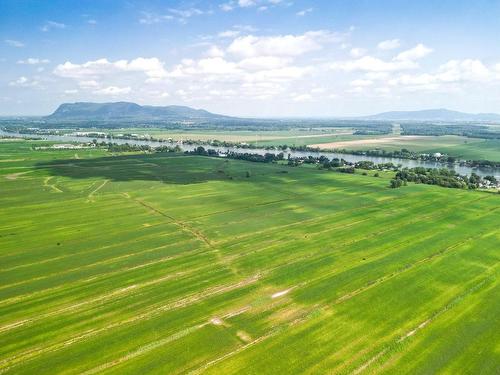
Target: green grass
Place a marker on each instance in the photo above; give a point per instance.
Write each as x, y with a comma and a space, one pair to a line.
269, 137
161, 264
460, 147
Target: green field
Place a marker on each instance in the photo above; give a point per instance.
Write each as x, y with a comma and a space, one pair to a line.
153, 263
460, 147
268, 137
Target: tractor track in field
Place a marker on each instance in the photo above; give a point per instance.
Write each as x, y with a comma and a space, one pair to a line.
90, 196
326, 216
156, 344
240, 208
343, 298
188, 300
258, 340
7, 363
100, 276
181, 224
350, 242
52, 186
87, 252
454, 302
94, 300
95, 264
194, 232
227, 260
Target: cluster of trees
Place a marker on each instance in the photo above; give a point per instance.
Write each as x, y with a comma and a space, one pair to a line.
466, 130
442, 177
222, 123
401, 154
382, 131
114, 147
127, 147
266, 158
481, 163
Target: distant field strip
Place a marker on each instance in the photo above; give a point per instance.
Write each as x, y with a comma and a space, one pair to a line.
162, 264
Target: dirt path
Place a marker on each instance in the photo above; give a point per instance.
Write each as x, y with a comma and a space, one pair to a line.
14, 176
52, 186
91, 195
184, 226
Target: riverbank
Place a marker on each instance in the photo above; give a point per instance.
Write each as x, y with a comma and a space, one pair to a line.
294, 152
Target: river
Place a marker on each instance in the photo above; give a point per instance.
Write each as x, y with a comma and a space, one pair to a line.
463, 170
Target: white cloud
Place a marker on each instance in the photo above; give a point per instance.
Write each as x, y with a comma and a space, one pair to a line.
113, 90
151, 67
471, 70
14, 43
92, 22
33, 61
227, 7
372, 64
304, 12
389, 44
23, 82
49, 25
263, 63
181, 15
415, 53
285, 74
149, 18
302, 98
403, 61
361, 82
246, 3
282, 45
70, 92
451, 73
357, 52
229, 34
186, 13
88, 84
215, 51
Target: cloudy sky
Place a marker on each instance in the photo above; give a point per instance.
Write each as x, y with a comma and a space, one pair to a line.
252, 57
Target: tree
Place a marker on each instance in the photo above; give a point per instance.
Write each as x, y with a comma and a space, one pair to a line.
396, 183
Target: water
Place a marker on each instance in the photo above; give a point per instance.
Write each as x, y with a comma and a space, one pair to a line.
463, 170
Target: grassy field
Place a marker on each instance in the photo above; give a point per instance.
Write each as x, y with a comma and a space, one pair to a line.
272, 137
163, 264
461, 147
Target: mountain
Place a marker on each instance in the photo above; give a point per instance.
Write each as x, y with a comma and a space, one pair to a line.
443, 115
128, 111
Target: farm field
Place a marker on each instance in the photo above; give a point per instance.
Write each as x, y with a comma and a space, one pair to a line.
156, 263
277, 137
462, 147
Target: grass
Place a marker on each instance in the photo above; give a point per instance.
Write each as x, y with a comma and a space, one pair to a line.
177, 264
270, 137
460, 147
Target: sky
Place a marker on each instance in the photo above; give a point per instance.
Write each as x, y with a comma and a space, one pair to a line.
256, 58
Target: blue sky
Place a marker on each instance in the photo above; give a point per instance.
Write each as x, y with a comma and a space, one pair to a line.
252, 57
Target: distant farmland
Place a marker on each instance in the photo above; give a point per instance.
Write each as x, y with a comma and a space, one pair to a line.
152, 263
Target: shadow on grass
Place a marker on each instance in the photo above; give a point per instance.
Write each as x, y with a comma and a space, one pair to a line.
170, 169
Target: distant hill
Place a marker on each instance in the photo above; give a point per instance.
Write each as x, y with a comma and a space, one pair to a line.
85, 111
444, 115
